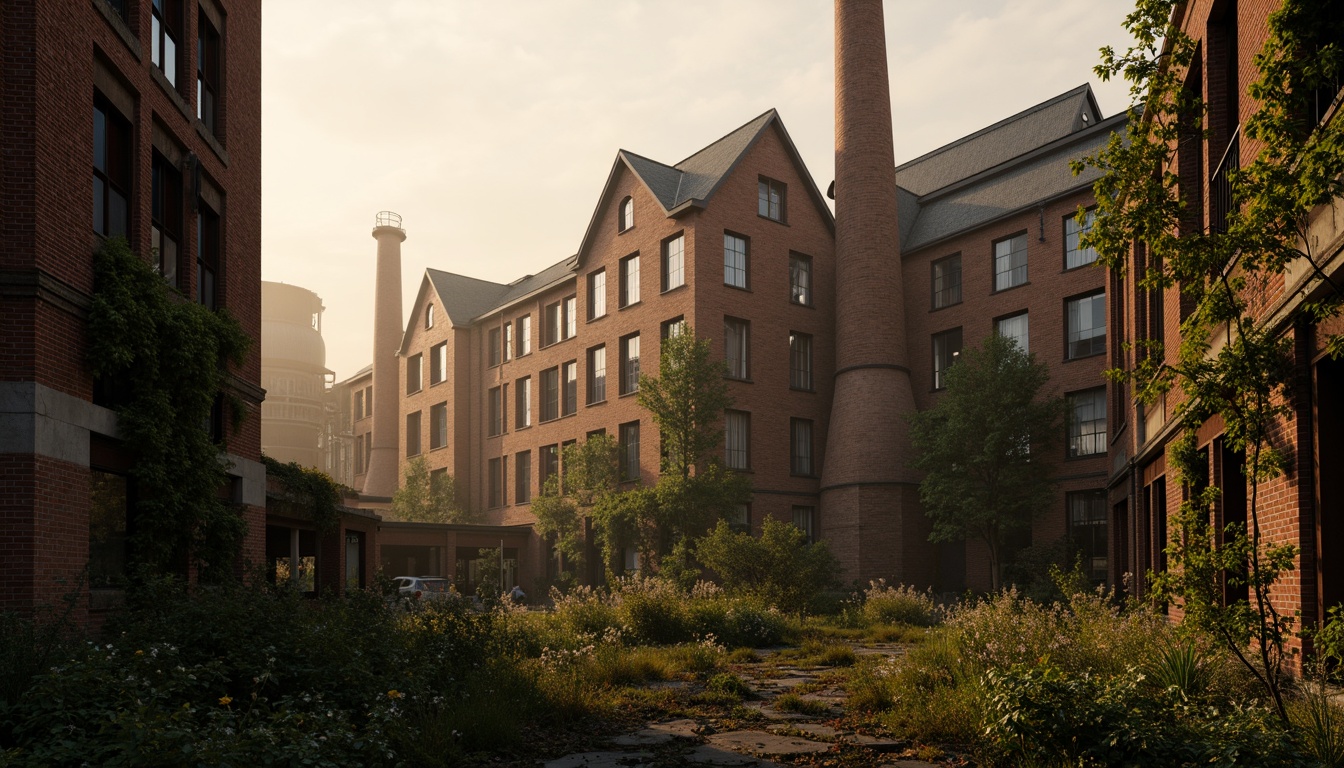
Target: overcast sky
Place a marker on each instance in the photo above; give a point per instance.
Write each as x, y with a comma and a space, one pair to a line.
490, 126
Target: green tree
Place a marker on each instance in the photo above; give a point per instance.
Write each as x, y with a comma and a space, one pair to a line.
428, 497
981, 447
779, 567
1232, 360
591, 474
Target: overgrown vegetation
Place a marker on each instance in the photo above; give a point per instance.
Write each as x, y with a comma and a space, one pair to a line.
428, 497
161, 362
780, 567
311, 488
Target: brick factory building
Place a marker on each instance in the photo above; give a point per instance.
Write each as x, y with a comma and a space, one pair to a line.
121, 119
1305, 505
736, 242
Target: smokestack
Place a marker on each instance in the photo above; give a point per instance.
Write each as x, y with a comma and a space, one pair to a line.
383, 475
869, 504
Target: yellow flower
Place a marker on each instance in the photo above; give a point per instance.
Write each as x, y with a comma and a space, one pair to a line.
139, 653
225, 700
395, 694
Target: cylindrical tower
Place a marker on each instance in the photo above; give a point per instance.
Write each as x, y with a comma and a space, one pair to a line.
869, 504
293, 372
382, 478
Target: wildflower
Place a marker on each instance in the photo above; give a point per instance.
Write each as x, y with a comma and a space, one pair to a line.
395, 694
139, 653
225, 700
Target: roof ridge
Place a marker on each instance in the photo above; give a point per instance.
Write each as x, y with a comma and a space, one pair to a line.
1084, 88
466, 277
722, 138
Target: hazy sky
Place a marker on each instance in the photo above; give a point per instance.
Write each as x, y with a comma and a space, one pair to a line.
490, 126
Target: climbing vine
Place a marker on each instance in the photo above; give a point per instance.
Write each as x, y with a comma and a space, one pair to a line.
311, 487
162, 358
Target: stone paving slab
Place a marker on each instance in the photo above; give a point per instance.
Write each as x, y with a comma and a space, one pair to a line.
879, 744
603, 760
658, 733
814, 729
722, 758
771, 713
763, 743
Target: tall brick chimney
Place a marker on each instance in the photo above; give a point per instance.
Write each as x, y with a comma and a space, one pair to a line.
383, 475
869, 499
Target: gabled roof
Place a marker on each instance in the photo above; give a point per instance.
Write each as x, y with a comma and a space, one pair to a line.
1009, 138
692, 182
1017, 163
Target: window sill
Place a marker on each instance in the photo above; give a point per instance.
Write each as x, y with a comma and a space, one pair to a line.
673, 289
434, 448
780, 222
595, 319
631, 393
119, 24
171, 91
213, 141
1091, 263
416, 391
1068, 359
1010, 288
739, 378
412, 455
520, 429
603, 401
741, 470
801, 304
803, 389
804, 476
624, 307
743, 288
557, 343
945, 306
433, 384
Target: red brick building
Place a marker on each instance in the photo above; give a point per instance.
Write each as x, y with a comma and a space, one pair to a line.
122, 118
1305, 506
735, 241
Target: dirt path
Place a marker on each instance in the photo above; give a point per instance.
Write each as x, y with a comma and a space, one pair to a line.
793, 716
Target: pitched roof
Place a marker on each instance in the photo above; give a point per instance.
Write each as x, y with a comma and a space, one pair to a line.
463, 297
1009, 138
1014, 164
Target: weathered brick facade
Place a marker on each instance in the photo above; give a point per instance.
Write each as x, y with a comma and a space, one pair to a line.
60, 58
1305, 506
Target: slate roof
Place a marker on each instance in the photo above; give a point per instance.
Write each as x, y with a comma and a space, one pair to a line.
696, 177
1000, 142
1017, 163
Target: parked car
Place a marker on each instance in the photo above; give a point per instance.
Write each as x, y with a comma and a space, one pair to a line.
425, 588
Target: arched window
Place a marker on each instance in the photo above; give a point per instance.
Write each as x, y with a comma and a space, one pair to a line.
429, 316
627, 214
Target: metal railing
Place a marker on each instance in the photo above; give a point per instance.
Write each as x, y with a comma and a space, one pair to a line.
388, 219
1220, 184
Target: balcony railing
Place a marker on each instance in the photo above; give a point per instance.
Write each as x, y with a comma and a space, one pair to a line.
1220, 184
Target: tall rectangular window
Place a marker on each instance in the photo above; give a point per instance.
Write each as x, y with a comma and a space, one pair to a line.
413, 434
674, 262
438, 363
673, 328
800, 360
554, 317
569, 394
359, 405
734, 260
571, 317
550, 464
496, 411
736, 341
800, 442
1010, 262
506, 348
524, 335
597, 294
1087, 326
438, 425
496, 483
800, 279
771, 198
597, 374
493, 355
629, 280
359, 454
522, 407
165, 216
522, 477
629, 450
1087, 531
946, 349
207, 255
630, 364
805, 520
737, 439
1075, 255
1014, 328
1087, 422
207, 71
165, 31
550, 394
414, 371
111, 169
947, 281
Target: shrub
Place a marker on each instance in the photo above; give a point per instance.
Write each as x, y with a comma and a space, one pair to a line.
883, 604
792, 702
652, 611
730, 685
780, 567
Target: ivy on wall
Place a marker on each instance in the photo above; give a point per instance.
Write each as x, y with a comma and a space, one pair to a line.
310, 487
165, 357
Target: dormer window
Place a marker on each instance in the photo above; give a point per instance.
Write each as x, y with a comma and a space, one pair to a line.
429, 316
627, 218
